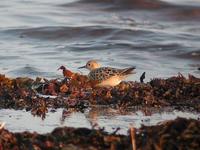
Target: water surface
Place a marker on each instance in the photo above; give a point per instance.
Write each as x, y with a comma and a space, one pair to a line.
158, 37
19, 121
37, 36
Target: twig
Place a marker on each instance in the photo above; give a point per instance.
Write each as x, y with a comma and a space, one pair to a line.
142, 77
2, 125
133, 140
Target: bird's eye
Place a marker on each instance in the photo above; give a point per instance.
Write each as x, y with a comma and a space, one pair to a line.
88, 64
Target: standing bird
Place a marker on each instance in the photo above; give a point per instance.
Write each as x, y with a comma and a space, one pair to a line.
106, 76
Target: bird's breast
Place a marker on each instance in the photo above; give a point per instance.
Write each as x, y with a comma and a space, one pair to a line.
112, 81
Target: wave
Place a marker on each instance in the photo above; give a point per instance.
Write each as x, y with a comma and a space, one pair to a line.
28, 71
73, 33
59, 33
145, 3
174, 10
129, 3
195, 55
94, 38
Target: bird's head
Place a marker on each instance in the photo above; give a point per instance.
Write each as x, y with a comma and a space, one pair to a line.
61, 68
91, 65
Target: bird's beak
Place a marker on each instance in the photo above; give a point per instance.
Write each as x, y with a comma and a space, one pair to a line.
81, 67
58, 69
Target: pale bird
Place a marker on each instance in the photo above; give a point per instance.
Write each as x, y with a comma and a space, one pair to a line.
106, 76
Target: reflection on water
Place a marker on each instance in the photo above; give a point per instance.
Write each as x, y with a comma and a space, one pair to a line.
97, 117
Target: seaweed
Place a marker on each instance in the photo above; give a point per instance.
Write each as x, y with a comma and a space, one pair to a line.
80, 93
174, 134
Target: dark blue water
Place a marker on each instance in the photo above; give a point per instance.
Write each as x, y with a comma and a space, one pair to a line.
158, 37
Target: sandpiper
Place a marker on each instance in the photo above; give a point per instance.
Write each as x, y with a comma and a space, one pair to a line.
106, 76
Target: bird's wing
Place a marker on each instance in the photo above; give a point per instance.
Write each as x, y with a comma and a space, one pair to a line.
127, 71
103, 73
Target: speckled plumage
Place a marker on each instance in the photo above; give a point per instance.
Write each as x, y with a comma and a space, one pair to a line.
106, 76
103, 73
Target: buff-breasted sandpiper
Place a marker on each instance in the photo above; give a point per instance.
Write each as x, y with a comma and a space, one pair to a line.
106, 76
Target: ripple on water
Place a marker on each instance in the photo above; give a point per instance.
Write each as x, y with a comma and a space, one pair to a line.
29, 71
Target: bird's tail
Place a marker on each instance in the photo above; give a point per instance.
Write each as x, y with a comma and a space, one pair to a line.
128, 71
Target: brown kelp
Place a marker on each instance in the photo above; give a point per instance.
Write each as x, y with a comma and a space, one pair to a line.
176, 134
79, 93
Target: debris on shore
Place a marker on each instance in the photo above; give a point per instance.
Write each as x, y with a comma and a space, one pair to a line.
176, 134
79, 93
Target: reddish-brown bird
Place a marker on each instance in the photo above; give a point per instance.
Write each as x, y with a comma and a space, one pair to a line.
67, 73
